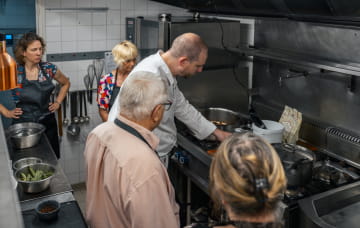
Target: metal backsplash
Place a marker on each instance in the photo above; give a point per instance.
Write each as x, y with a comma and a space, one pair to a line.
325, 41
217, 88
326, 99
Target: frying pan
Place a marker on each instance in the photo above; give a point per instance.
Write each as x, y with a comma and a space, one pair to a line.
224, 119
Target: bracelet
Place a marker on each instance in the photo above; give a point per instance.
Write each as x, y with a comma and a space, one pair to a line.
57, 102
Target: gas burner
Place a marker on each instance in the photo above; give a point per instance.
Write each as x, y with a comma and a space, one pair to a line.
333, 173
294, 193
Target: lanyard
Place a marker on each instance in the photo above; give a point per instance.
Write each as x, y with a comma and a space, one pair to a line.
132, 131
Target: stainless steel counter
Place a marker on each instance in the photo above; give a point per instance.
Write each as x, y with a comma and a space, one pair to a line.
10, 215
59, 183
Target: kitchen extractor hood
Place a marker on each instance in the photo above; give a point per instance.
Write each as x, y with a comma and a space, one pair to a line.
338, 11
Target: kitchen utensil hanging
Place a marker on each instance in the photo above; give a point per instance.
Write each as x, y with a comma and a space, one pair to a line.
75, 117
91, 73
81, 117
66, 121
73, 129
87, 86
99, 67
87, 118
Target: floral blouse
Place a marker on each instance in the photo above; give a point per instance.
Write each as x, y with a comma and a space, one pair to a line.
105, 89
48, 70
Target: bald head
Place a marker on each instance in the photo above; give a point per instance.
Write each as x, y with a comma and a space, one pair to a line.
189, 45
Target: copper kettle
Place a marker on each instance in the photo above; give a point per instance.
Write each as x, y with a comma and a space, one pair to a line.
8, 71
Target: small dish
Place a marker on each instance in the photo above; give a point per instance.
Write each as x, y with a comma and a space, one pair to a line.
48, 210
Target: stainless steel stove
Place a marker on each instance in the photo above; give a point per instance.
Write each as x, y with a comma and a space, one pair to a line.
328, 173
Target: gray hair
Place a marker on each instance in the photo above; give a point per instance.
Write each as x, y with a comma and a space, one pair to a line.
140, 93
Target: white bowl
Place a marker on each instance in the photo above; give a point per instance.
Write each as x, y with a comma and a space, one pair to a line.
273, 133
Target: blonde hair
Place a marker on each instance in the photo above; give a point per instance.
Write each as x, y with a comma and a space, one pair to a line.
123, 52
247, 174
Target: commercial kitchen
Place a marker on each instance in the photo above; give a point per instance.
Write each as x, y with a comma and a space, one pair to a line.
267, 55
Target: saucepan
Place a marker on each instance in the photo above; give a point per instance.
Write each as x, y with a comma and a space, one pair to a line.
224, 119
298, 164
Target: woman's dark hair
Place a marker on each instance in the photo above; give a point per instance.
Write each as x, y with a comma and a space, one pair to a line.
23, 44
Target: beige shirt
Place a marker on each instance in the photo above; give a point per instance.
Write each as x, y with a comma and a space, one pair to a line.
127, 185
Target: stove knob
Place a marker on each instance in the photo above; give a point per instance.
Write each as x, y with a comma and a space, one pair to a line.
183, 160
177, 154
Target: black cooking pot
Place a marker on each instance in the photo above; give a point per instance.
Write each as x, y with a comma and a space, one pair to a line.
298, 164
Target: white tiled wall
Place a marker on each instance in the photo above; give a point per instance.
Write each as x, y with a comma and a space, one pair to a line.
89, 30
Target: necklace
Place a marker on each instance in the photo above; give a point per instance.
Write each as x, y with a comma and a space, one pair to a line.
32, 74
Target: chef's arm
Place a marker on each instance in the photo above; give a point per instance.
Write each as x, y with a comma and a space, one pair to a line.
15, 113
220, 135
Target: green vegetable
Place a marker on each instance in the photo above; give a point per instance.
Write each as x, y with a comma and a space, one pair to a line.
23, 176
32, 171
35, 175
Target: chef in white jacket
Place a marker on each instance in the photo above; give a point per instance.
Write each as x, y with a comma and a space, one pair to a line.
186, 57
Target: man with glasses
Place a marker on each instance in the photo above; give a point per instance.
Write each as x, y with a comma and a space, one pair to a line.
127, 185
186, 57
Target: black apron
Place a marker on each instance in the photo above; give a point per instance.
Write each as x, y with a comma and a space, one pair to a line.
132, 131
115, 91
34, 101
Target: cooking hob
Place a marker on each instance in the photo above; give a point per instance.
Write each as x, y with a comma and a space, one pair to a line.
328, 173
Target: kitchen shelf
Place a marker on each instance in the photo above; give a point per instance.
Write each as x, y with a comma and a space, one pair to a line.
80, 9
352, 69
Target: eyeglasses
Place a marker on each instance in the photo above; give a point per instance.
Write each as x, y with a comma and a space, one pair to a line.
167, 105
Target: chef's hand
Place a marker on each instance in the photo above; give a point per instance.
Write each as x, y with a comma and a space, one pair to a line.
14, 114
54, 106
221, 135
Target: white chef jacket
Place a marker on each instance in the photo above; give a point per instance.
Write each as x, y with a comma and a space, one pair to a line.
181, 108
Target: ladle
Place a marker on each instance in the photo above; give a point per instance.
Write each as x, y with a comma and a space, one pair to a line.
87, 118
66, 121
81, 117
73, 129
75, 118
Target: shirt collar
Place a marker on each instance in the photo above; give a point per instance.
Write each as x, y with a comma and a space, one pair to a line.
166, 70
149, 136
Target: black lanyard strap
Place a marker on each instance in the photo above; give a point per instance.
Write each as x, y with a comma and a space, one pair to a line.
132, 131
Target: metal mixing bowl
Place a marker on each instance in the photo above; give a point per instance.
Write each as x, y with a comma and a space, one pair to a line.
35, 186
26, 161
25, 135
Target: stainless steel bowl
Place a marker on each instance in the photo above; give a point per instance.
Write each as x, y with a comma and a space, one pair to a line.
35, 186
25, 135
26, 161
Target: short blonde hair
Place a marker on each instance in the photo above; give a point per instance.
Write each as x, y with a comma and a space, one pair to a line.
124, 51
247, 174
